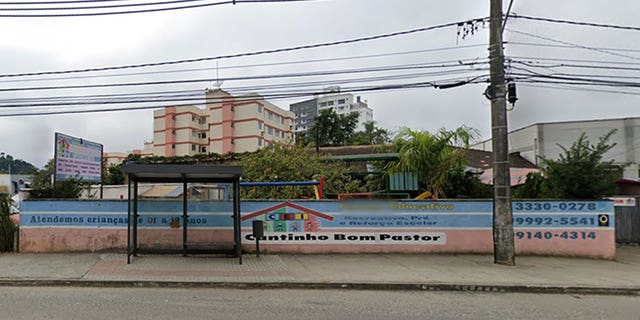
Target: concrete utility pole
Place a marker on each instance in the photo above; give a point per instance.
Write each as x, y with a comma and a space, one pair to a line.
503, 243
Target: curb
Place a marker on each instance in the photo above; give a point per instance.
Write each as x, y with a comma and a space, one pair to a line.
541, 289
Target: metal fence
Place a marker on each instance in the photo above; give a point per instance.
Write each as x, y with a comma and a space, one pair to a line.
627, 211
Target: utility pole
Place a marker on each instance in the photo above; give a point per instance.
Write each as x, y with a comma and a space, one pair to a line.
503, 242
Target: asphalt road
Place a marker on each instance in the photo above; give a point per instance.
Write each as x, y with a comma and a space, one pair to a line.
164, 303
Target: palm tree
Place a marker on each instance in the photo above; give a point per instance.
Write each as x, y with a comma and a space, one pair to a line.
432, 156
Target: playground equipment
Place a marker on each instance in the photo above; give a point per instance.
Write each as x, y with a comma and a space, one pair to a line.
374, 195
318, 186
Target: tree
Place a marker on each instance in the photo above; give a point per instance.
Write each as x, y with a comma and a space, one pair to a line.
304, 139
433, 157
42, 187
464, 184
330, 129
370, 135
292, 164
113, 175
534, 187
581, 173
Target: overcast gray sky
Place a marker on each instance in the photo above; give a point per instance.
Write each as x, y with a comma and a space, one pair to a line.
50, 44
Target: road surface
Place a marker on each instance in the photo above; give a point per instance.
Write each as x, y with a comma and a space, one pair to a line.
168, 303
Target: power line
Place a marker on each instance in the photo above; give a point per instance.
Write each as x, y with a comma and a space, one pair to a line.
185, 95
361, 89
252, 88
578, 23
532, 77
99, 7
273, 95
573, 81
573, 44
569, 65
89, 14
56, 2
533, 59
245, 54
506, 16
471, 60
580, 89
566, 46
286, 75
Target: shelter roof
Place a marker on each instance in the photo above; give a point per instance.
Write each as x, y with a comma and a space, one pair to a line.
181, 172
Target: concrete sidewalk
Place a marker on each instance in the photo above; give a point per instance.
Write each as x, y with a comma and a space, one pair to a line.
364, 271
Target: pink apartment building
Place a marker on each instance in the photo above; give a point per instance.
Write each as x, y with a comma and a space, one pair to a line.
226, 124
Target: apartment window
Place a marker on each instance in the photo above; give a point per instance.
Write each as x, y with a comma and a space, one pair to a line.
173, 146
259, 125
277, 132
281, 120
259, 109
193, 118
270, 130
269, 115
282, 134
330, 103
259, 142
341, 101
203, 135
173, 132
173, 117
193, 147
203, 149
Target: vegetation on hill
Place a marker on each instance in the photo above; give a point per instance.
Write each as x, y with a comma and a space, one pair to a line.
17, 166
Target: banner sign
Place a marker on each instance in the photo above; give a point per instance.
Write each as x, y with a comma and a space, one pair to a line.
76, 158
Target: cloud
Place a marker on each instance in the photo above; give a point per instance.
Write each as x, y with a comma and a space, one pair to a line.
59, 44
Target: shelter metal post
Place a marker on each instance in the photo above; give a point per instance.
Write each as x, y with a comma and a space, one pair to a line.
236, 219
129, 222
135, 218
185, 217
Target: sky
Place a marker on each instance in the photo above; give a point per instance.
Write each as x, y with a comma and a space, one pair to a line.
69, 43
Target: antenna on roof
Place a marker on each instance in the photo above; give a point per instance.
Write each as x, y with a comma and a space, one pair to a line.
218, 83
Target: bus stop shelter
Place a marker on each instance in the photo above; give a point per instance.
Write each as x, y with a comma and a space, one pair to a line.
179, 173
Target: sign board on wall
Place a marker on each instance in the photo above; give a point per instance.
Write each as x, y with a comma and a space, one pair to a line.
624, 201
575, 228
76, 158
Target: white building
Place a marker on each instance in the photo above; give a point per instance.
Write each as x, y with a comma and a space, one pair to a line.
341, 103
544, 140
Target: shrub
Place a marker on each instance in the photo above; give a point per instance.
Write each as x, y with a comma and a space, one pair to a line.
8, 229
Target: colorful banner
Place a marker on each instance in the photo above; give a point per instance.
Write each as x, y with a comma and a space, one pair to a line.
76, 158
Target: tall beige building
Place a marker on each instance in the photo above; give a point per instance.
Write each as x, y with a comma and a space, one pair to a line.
226, 124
